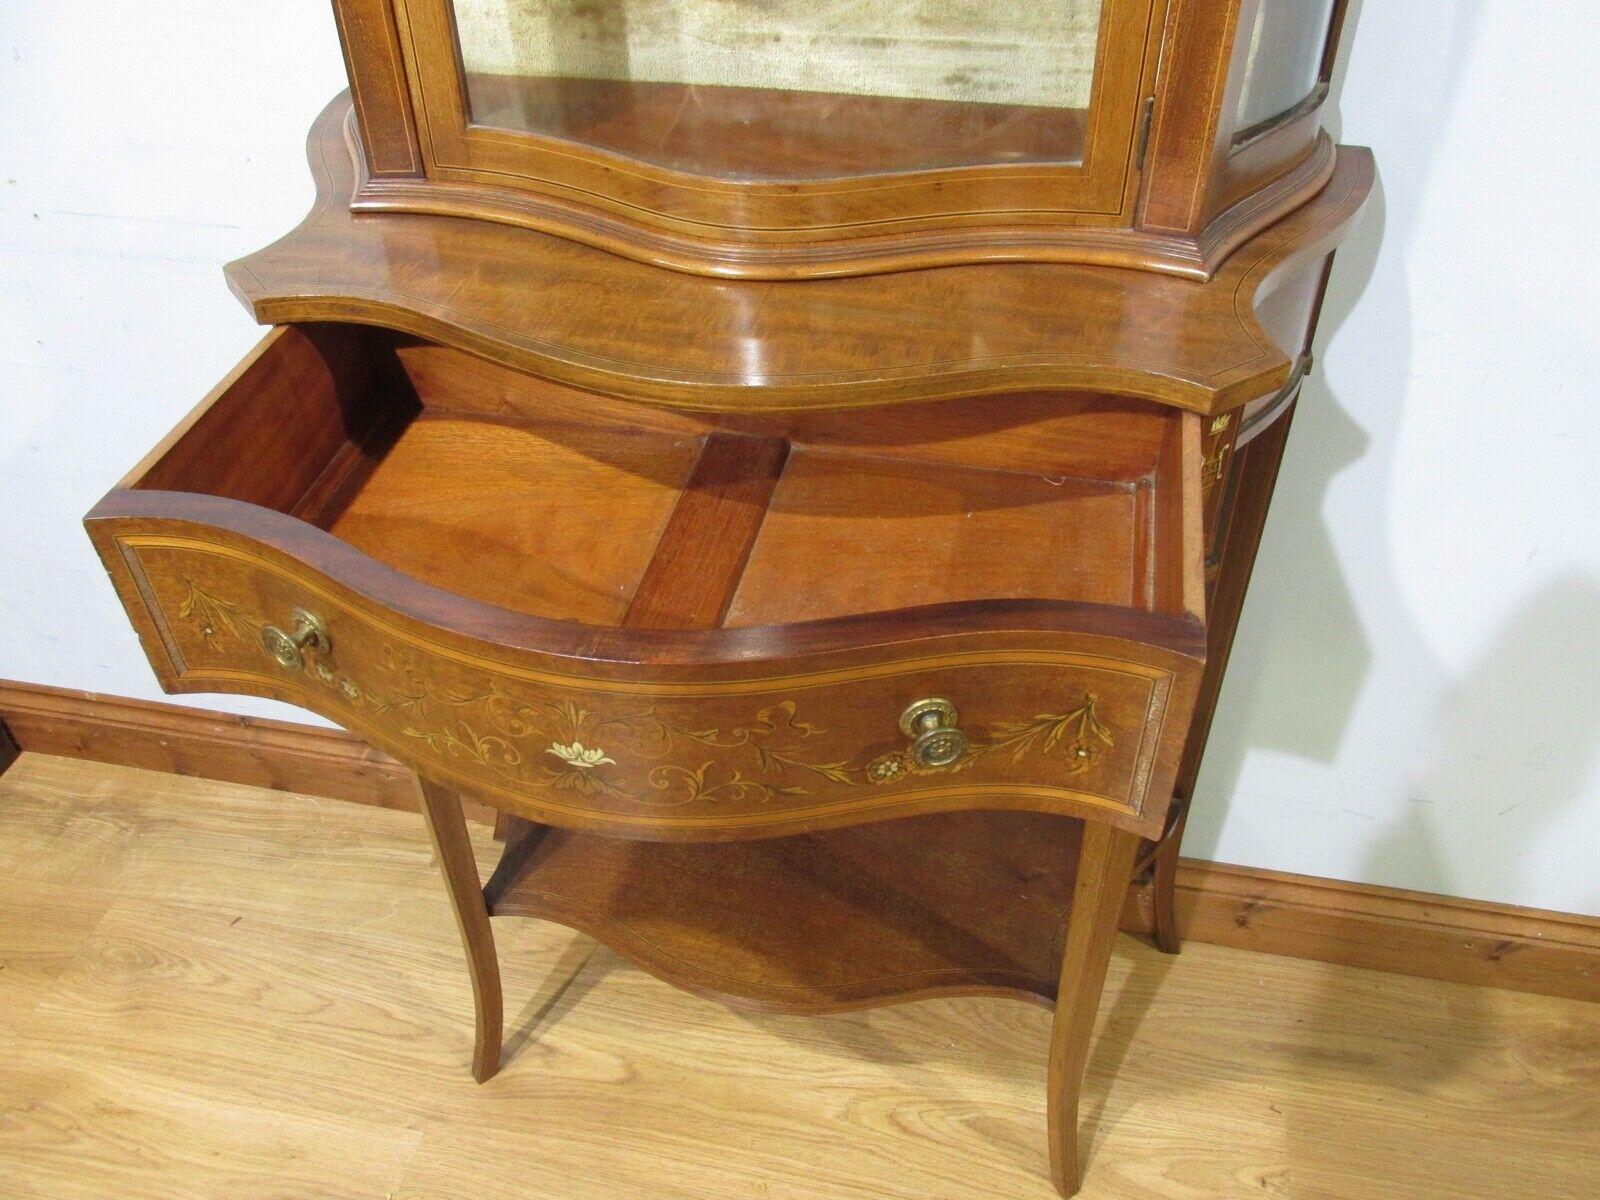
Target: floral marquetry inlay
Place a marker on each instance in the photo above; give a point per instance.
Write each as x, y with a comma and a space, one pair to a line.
577, 756
681, 752
214, 618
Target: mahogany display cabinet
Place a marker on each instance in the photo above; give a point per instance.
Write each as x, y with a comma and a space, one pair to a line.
799, 462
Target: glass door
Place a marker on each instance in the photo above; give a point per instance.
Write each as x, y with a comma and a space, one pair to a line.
788, 89
801, 120
1285, 71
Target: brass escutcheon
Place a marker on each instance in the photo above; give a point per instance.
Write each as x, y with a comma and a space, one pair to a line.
309, 633
931, 724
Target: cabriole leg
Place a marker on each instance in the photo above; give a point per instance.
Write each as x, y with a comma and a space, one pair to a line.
442, 809
1104, 869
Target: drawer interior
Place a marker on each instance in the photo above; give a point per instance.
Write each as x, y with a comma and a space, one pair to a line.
568, 505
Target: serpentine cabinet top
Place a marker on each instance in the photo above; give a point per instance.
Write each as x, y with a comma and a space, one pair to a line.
639, 332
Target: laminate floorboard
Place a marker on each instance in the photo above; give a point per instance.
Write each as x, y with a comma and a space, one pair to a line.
209, 990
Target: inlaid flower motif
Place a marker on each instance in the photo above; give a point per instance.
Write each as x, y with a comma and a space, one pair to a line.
576, 755
492, 726
886, 769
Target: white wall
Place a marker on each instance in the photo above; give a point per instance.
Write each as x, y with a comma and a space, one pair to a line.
141, 146
1413, 694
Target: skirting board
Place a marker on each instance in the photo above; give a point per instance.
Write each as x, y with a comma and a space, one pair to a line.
1385, 929
187, 741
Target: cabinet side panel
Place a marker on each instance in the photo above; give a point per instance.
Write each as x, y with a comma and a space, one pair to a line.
378, 86
1184, 151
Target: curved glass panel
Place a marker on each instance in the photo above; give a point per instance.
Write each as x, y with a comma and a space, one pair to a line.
788, 88
1285, 62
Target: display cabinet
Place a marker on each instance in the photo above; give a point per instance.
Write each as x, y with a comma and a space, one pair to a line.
800, 138
823, 642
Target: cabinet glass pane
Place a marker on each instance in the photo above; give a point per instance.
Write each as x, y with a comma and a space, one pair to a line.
1285, 63
788, 88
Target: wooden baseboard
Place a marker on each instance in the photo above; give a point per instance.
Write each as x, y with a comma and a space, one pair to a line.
188, 741
1385, 929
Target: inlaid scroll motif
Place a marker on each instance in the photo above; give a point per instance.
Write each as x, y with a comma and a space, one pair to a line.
214, 618
1043, 735
631, 753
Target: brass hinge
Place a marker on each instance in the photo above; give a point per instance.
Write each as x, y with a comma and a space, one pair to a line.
1144, 129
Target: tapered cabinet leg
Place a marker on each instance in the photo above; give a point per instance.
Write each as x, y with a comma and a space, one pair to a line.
1104, 870
447, 824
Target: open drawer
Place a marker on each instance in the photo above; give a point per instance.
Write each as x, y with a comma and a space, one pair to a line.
603, 615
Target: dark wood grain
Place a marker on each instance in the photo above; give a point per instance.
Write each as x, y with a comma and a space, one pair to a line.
1072, 433
1255, 474
752, 747
1247, 453
1177, 578
883, 534
610, 652
351, 465
268, 432
1256, 466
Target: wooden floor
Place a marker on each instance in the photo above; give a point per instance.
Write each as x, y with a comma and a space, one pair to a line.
217, 991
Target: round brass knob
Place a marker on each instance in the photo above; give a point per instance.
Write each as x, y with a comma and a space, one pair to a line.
309, 633
931, 724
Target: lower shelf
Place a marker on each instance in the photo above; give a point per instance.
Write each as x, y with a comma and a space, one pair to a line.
958, 903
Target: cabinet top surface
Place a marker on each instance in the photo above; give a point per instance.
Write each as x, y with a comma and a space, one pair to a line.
580, 316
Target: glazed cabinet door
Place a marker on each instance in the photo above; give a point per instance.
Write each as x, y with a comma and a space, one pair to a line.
795, 120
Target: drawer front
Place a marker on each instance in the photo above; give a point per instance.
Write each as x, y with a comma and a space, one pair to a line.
727, 754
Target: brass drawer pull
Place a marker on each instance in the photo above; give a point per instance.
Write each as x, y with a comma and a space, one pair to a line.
309, 634
931, 724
